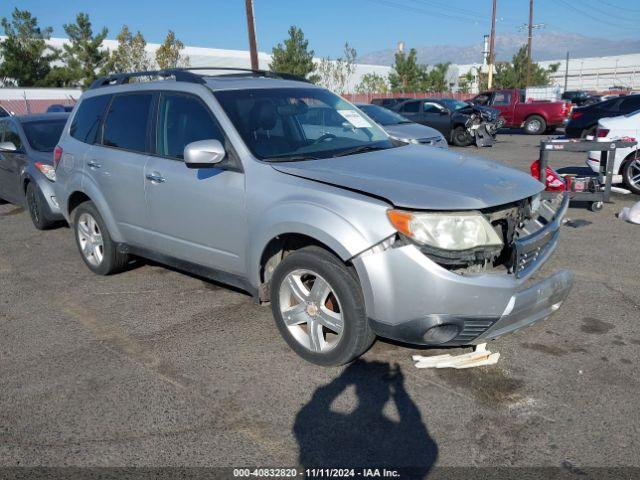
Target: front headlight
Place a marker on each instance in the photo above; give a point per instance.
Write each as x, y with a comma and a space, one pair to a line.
447, 231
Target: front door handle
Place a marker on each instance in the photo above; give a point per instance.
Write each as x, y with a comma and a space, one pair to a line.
155, 177
93, 165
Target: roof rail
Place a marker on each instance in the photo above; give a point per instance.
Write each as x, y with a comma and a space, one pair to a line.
187, 75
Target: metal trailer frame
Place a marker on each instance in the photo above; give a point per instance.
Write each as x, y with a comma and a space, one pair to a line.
607, 156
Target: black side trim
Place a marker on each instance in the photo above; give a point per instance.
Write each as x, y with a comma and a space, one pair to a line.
413, 331
227, 278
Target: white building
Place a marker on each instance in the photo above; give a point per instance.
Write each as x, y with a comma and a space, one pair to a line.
216, 57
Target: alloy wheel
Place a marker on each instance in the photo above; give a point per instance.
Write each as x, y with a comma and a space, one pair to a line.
311, 310
90, 239
634, 173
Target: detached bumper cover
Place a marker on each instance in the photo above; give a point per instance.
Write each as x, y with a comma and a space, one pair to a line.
407, 294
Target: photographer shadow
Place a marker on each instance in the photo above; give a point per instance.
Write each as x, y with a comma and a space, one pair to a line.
365, 437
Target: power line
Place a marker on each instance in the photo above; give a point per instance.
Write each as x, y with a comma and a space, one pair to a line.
619, 7
593, 17
404, 7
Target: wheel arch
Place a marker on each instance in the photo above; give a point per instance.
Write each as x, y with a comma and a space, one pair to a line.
79, 196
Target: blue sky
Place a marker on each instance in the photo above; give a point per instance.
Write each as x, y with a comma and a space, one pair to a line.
368, 25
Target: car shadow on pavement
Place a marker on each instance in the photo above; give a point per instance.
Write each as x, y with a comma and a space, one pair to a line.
365, 437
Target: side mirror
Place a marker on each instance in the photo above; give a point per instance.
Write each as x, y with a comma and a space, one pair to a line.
8, 147
204, 153
445, 111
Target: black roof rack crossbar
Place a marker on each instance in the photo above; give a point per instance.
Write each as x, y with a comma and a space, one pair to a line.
187, 75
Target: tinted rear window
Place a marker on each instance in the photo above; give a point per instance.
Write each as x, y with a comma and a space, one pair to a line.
127, 121
86, 122
43, 136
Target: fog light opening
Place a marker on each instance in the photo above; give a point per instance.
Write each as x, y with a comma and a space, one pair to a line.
441, 333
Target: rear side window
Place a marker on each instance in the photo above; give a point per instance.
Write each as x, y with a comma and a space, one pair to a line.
183, 119
86, 122
127, 122
410, 107
43, 136
502, 98
630, 104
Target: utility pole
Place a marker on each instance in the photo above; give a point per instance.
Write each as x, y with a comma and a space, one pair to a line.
529, 42
566, 72
251, 28
491, 45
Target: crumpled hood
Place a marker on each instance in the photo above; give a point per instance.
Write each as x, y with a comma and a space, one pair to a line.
487, 113
421, 178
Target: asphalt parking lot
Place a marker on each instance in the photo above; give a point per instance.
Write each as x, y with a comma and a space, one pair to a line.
153, 367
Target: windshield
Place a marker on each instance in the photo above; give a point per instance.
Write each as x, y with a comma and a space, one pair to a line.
383, 116
285, 124
43, 136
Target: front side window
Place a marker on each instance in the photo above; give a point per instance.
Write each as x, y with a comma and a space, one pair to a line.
278, 124
183, 119
430, 107
127, 122
87, 120
43, 136
502, 98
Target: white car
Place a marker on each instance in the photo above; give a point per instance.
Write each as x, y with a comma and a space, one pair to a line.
626, 168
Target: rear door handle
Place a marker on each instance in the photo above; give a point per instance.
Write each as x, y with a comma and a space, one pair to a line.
155, 177
93, 165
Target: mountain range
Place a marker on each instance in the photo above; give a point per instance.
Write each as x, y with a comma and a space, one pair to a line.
547, 45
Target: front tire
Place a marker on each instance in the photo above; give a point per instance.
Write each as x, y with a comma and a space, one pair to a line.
37, 207
318, 307
460, 137
631, 173
535, 125
97, 249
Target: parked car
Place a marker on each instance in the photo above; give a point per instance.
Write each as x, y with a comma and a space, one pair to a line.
626, 166
26, 167
56, 107
388, 102
4, 112
578, 97
584, 120
535, 118
402, 129
450, 117
347, 234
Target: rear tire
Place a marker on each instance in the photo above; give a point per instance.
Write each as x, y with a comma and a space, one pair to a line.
37, 207
460, 137
98, 251
631, 172
342, 308
535, 125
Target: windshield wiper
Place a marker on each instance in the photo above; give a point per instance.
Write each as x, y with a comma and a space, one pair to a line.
360, 149
291, 158
404, 122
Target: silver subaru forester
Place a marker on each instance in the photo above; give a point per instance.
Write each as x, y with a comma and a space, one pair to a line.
348, 234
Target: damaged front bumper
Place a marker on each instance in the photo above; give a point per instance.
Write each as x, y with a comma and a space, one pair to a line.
410, 298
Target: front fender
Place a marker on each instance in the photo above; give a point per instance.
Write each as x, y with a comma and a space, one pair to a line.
347, 238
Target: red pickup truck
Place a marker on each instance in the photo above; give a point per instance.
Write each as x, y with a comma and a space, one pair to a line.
536, 117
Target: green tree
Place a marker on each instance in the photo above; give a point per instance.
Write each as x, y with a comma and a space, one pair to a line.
26, 56
335, 74
294, 56
465, 82
514, 74
435, 80
83, 55
372, 83
169, 55
130, 56
407, 74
